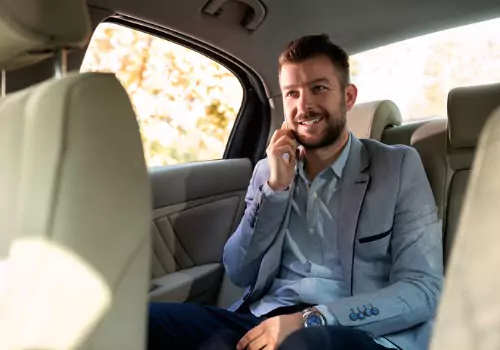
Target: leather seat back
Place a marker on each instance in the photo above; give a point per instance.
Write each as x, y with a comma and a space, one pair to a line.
75, 208
369, 120
468, 111
468, 315
429, 139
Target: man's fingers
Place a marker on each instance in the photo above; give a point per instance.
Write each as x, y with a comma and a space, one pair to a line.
282, 132
285, 140
285, 145
277, 134
251, 335
259, 343
286, 149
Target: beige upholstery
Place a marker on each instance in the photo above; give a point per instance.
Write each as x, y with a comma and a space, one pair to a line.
468, 110
429, 140
469, 314
75, 204
31, 29
369, 120
401, 134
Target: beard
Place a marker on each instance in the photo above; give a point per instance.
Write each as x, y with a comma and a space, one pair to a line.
335, 125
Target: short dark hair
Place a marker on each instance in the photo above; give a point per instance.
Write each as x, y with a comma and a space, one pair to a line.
309, 46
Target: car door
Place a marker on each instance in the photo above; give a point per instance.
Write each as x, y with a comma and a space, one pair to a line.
204, 126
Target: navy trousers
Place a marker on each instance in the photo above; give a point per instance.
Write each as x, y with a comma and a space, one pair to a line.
196, 327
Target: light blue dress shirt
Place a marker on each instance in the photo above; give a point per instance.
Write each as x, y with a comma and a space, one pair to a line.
310, 269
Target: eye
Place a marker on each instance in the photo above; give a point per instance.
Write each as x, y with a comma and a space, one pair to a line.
293, 94
318, 88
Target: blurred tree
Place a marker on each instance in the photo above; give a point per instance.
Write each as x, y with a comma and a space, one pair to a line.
185, 102
450, 64
354, 67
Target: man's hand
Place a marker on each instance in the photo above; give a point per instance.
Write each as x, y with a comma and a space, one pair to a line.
282, 170
271, 333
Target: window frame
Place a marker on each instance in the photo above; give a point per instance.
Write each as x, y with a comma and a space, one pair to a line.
248, 137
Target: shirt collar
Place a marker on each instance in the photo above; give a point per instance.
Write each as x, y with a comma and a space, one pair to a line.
337, 166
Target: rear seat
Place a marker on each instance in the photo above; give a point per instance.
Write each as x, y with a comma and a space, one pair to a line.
401, 135
369, 120
447, 160
447, 152
447, 146
429, 139
381, 120
468, 110
365, 120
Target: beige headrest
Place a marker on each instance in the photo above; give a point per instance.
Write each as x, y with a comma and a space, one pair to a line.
30, 30
369, 120
468, 110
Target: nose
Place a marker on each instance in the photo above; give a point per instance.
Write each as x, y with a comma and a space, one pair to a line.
305, 102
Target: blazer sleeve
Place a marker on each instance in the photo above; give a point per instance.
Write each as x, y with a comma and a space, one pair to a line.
257, 230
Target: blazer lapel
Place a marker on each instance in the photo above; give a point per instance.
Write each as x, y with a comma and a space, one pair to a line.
352, 193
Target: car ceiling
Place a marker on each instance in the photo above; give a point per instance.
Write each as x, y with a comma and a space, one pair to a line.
356, 25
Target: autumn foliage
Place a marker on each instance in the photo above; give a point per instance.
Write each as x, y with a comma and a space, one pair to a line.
185, 103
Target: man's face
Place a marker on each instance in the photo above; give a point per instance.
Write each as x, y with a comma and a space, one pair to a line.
315, 102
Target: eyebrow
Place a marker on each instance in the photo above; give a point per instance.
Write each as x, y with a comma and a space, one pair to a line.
312, 82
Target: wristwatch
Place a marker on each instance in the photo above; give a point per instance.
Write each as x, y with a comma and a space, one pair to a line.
312, 317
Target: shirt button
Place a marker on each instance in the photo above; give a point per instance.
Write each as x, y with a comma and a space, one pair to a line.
315, 195
311, 231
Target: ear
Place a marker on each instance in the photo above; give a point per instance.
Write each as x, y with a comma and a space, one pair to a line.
351, 93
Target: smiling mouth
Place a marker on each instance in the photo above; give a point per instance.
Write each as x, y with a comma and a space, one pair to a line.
310, 121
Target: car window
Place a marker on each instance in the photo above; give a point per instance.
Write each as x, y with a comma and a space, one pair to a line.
418, 73
186, 103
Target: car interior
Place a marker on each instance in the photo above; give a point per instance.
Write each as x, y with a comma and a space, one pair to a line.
84, 221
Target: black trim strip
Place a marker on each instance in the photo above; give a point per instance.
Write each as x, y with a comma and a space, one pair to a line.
375, 237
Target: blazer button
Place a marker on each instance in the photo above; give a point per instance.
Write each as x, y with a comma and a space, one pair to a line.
353, 316
361, 316
367, 312
375, 311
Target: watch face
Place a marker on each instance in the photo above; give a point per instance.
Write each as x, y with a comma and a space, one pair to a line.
314, 320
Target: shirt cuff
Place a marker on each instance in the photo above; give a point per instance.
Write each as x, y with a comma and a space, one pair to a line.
274, 196
331, 320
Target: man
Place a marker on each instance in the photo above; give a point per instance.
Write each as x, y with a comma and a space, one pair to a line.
340, 242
